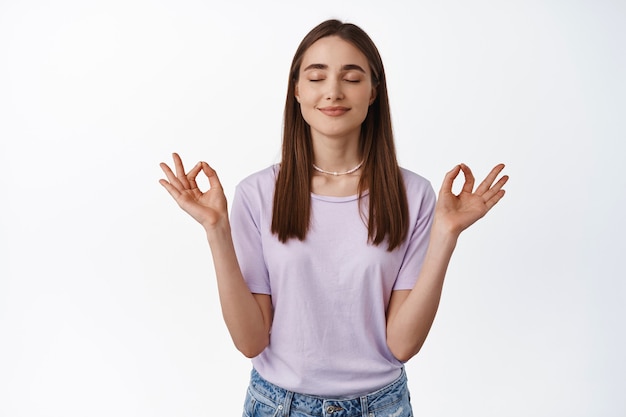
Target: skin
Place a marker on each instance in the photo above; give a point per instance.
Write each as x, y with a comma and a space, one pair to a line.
334, 105
335, 91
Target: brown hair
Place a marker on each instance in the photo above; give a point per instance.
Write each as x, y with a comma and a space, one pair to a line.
388, 207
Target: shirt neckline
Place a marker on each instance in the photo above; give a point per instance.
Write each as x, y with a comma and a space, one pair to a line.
338, 199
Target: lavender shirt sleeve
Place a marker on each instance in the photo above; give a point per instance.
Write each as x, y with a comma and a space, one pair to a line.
422, 198
245, 220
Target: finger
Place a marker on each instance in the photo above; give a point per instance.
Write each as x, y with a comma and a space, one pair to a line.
214, 181
494, 199
170, 189
488, 181
171, 177
448, 180
495, 188
468, 186
191, 175
180, 170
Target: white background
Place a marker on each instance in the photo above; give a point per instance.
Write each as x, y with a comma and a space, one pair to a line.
108, 301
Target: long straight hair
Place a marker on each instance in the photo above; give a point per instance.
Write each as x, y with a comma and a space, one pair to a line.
388, 208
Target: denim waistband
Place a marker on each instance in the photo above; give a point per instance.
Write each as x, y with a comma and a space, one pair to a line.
288, 401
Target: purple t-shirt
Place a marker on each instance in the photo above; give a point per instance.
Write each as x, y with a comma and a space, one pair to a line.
330, 292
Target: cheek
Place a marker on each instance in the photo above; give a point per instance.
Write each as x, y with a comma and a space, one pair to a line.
364, 101
368, 94
305, 93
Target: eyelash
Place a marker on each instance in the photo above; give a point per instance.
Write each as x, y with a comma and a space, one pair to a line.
350, 81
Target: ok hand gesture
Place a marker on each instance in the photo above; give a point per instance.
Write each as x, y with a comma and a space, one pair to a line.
209, 207
456, 213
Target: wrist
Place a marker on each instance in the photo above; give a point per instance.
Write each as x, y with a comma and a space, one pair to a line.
443, 233
218, 230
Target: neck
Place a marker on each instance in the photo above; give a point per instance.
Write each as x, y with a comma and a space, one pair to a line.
336, 173
332, 155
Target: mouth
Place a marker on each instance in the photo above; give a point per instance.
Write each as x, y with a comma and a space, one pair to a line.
334, 111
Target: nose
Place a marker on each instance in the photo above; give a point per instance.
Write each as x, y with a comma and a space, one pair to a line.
334, 91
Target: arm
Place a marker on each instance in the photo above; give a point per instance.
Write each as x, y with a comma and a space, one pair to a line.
411, 312
248, 316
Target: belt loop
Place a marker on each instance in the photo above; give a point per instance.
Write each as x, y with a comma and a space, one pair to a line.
364, 407
287, 403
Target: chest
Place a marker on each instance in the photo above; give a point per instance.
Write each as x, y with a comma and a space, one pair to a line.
335, 259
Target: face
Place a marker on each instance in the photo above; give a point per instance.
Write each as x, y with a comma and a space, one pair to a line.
334, 88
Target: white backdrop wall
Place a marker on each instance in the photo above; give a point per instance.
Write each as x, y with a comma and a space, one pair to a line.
108, 301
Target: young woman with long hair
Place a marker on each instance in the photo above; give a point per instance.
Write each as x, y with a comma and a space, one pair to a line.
331, 264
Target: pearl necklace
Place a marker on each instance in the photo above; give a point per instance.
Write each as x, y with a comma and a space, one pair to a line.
335, 173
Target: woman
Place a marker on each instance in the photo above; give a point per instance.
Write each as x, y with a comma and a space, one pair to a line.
331, 266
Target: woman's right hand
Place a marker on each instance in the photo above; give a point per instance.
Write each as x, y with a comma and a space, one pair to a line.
207, 208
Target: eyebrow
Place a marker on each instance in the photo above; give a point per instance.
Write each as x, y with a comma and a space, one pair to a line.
348, 67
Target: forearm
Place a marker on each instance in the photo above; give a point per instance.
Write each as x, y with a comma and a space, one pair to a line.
244, 318
408, 325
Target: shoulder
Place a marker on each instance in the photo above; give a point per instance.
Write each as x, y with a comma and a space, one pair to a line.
416, 184
260, 181
255, 192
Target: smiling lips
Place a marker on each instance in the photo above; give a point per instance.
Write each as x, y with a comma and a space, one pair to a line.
333, 111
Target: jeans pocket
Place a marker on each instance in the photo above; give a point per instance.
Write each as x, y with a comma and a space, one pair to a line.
255, 408
399, 409
248, 405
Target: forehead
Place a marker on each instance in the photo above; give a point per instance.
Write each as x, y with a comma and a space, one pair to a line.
334, 52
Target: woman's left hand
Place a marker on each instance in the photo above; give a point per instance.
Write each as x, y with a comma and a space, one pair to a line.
456, 213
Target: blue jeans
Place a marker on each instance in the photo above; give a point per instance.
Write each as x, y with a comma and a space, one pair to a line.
265, 399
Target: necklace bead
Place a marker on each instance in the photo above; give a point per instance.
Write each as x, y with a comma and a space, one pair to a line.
335, 173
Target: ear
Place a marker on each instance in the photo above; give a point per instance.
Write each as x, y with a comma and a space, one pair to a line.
373, 96
296, 93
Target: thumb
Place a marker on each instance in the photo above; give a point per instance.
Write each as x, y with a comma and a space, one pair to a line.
214, 181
